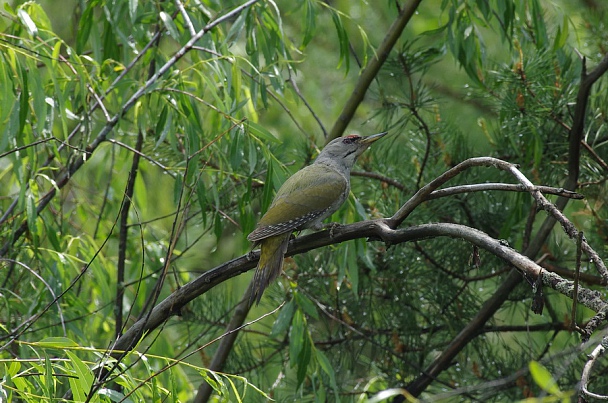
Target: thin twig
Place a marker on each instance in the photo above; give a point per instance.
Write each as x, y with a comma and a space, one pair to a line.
597, 352
186, 17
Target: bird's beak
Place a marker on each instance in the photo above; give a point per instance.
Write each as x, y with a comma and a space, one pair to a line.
372, 138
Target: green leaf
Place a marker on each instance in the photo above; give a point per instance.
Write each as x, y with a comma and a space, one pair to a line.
538, 25
309, 22
23, 101
169, 25
562, 35
296, 337
268, 192
48, 377
30, 210
201, 194
162, 126
57, 342
342, 40
85, 23
236, 150
352, 269
133, 5
26, 20
236, 29
326, 366
260, 132
283, 320
177, 188
252, 157
543, 378
304, 358
114, 395
306, 305
84, 377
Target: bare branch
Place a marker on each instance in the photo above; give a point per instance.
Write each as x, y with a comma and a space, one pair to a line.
541, 200
598, 351
509, 187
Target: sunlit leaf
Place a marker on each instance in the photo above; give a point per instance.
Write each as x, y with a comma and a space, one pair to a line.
28, 22
543, 378
169, 25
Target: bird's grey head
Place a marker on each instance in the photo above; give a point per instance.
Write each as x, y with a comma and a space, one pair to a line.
343, 151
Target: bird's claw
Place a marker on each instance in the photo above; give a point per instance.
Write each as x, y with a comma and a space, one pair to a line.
332, 226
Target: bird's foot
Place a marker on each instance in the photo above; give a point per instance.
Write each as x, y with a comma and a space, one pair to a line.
251, 255
331, 227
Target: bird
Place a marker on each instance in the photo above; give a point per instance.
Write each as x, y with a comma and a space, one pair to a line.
305, 199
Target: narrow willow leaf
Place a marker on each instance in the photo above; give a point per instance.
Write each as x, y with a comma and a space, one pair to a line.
268, 193
325, 365
562, 35
28, 22
23, 102
114, 395
261, 132
81, 385
296, 337
306, 305
201, 194
283, 320
236, 150
85, 24
353, 270
30, 210
163, 126
236, 29
49, 380
57, 342
538, 25
309, 22
252, 156
7, 100
177, 188
342, 41
169, 25
304, 358
543, 378
133, 9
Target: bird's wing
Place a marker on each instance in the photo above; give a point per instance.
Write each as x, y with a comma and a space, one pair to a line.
304, 197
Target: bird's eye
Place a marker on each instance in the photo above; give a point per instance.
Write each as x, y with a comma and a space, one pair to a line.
350, 138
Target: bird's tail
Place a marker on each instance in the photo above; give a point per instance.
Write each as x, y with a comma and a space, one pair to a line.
272, 253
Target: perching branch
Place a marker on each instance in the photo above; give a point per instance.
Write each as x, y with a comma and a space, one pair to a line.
373, 229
